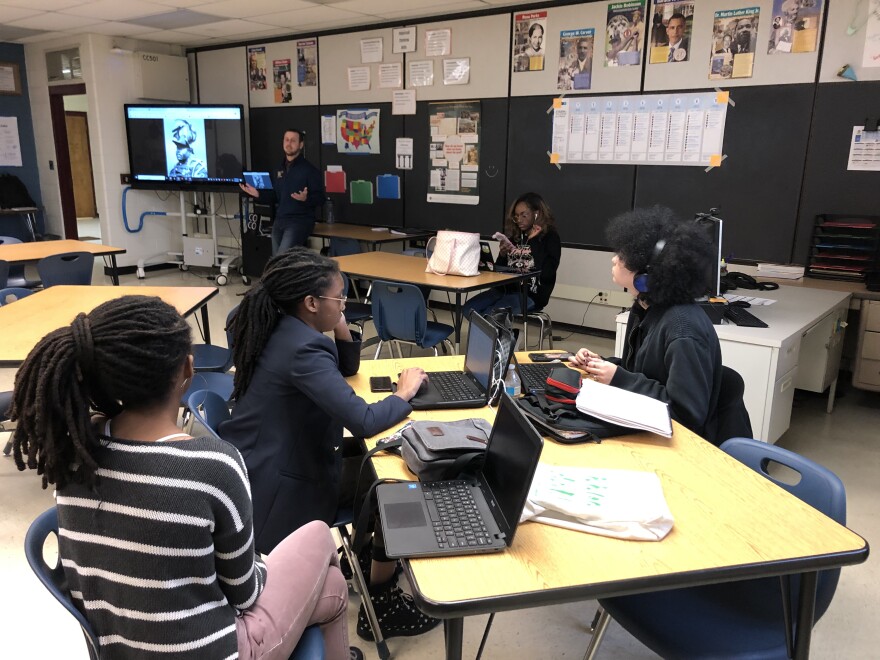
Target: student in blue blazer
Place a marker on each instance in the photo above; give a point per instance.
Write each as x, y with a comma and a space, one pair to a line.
292, 402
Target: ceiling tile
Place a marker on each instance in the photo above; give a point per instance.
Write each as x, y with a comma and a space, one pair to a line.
9, 33
39, 35
116, 10
176, 20
306, 18
379, 7
450, 8
54, 21
176, 37
240, 9
117, 29
182, 4
45, 5
8, 14
229, 28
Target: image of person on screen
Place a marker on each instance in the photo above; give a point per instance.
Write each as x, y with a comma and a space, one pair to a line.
188, 166
529, 242
678, 43
297, 190
671, 352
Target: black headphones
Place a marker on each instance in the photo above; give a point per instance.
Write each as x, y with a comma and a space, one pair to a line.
641, 281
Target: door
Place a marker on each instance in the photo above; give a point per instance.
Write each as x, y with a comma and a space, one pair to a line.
81, 164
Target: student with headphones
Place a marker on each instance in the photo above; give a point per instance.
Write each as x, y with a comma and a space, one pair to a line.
529, 242
671, 352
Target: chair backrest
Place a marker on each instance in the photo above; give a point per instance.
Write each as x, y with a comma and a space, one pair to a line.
53, 578
399, 312
209, 409
731, 417
9, 240
4, 273
13, 293
230, 337
340, 247
66, 268
818, 486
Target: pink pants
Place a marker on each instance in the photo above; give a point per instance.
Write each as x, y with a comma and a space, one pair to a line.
304, 587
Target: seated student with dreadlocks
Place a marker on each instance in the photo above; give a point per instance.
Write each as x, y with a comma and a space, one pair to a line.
292, 402
671, 352
156, 535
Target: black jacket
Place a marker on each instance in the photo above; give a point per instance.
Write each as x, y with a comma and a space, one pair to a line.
546, 250
290, 179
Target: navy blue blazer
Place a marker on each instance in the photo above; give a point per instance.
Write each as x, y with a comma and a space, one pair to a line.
292, 178
288, 427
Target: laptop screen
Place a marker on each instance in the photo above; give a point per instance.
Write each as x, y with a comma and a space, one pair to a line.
259, 180
513, 451
480, 350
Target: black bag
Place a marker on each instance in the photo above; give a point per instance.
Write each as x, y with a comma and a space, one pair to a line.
434, 451
13, 193
563, 385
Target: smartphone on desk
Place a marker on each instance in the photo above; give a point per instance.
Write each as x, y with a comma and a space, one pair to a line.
549, 357
380, 384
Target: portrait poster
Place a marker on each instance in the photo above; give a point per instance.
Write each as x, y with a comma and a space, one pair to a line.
795, 26
575, 59
357, 131
624, 33
528, 41
871, 52
256, 68
281, 78
736, 30
454, 152
671, 27
186, 150
307, 63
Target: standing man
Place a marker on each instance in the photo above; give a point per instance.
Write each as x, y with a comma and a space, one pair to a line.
297, 190
678, 43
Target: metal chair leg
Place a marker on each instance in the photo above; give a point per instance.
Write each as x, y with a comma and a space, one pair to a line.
360, 584
600, 625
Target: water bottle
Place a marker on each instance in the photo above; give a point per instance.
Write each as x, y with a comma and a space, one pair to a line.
511, 381
329, 213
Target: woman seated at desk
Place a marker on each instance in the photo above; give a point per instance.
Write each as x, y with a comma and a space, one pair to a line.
156, 535
671, 352
292, 402
529, 242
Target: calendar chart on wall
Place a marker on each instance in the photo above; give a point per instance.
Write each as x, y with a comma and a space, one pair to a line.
655, 129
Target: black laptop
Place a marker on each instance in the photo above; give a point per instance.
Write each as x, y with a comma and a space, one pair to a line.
463, 389
462, 517
259, 180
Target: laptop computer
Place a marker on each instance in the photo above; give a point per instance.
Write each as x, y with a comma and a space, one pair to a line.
259, 180
533, 375
423, 519
463, 389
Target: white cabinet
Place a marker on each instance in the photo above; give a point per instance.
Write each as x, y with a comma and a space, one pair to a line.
866, 373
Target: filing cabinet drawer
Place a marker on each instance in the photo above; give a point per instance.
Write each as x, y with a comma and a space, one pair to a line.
870, 346
868, 374
871, 310
788, 356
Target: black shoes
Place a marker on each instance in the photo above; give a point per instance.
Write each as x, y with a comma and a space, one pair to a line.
354, 653
397, 613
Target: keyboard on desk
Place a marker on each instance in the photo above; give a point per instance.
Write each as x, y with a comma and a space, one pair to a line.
743, 318
453, 385
454, 514
534, 376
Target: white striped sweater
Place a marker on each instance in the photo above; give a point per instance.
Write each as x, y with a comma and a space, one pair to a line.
161, 554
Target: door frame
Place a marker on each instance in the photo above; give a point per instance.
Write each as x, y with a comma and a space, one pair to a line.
62, 155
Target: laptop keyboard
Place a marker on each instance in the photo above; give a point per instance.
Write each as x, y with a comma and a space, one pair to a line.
454, 514
453, 385
535, 375
743, 317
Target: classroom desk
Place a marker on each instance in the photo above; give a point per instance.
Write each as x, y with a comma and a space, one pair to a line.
366, 234
30, 217
28, 320
730, 524
411, 270
34, 251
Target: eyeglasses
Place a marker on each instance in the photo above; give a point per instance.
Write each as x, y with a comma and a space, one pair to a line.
332, 298
524, 214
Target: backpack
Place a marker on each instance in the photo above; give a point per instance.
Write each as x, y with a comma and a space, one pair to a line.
13, 193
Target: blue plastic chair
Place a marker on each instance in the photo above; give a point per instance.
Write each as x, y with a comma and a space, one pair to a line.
10, 294
356, 312
53, 577
210, 357
734, 619
400, 315
16, 276
66, 268
4, 273
209, 409
310, 645
5, 402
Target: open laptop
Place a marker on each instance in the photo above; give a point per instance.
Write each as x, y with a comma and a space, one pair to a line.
259, 180
422, 520
463, 389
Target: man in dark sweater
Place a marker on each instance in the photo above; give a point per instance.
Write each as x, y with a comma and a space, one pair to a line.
298, 191
671, 351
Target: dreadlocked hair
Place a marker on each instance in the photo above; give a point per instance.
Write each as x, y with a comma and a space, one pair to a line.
125, 354
288, 278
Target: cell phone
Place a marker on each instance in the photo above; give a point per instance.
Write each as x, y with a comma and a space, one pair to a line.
380, 383
548, 357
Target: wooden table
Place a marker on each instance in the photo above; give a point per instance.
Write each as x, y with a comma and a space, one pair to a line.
365, 233
411, 270
730, 524
20, 252
29, 319
30, 217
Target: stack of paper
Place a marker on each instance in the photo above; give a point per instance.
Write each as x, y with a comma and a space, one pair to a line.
618, 406
781, 272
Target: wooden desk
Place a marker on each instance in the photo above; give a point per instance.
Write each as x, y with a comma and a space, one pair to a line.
365, 234
19, 252
28, 320
730, 524
30, 217
411, 270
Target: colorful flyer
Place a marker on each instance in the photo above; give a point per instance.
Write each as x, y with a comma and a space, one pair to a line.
281, 77
256, 68
357, 131
307, 63
736, 31
454, 152
795, 27
575, 59
625, 33
671, 31
528, 41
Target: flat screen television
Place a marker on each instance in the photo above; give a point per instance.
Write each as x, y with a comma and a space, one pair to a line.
185, 147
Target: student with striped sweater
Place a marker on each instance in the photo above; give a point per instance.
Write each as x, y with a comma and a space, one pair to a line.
156, 535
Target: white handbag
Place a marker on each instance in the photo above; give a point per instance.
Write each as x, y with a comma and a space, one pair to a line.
455, 253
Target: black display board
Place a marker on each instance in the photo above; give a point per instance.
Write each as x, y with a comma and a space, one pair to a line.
582, 197
828, 187
267, 127
487, 217
382, 212
757, 188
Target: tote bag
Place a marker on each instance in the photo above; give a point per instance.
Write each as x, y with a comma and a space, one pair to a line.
455, 253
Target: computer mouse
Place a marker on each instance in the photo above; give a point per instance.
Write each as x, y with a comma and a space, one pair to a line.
740, 303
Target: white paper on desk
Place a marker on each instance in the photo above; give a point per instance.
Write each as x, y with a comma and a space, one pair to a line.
752, 300
622, 504
625, 408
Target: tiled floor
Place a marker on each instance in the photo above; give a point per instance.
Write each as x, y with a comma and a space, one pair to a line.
846, 442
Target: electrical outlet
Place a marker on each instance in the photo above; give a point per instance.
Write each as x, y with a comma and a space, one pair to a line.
125, 179
602, 297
